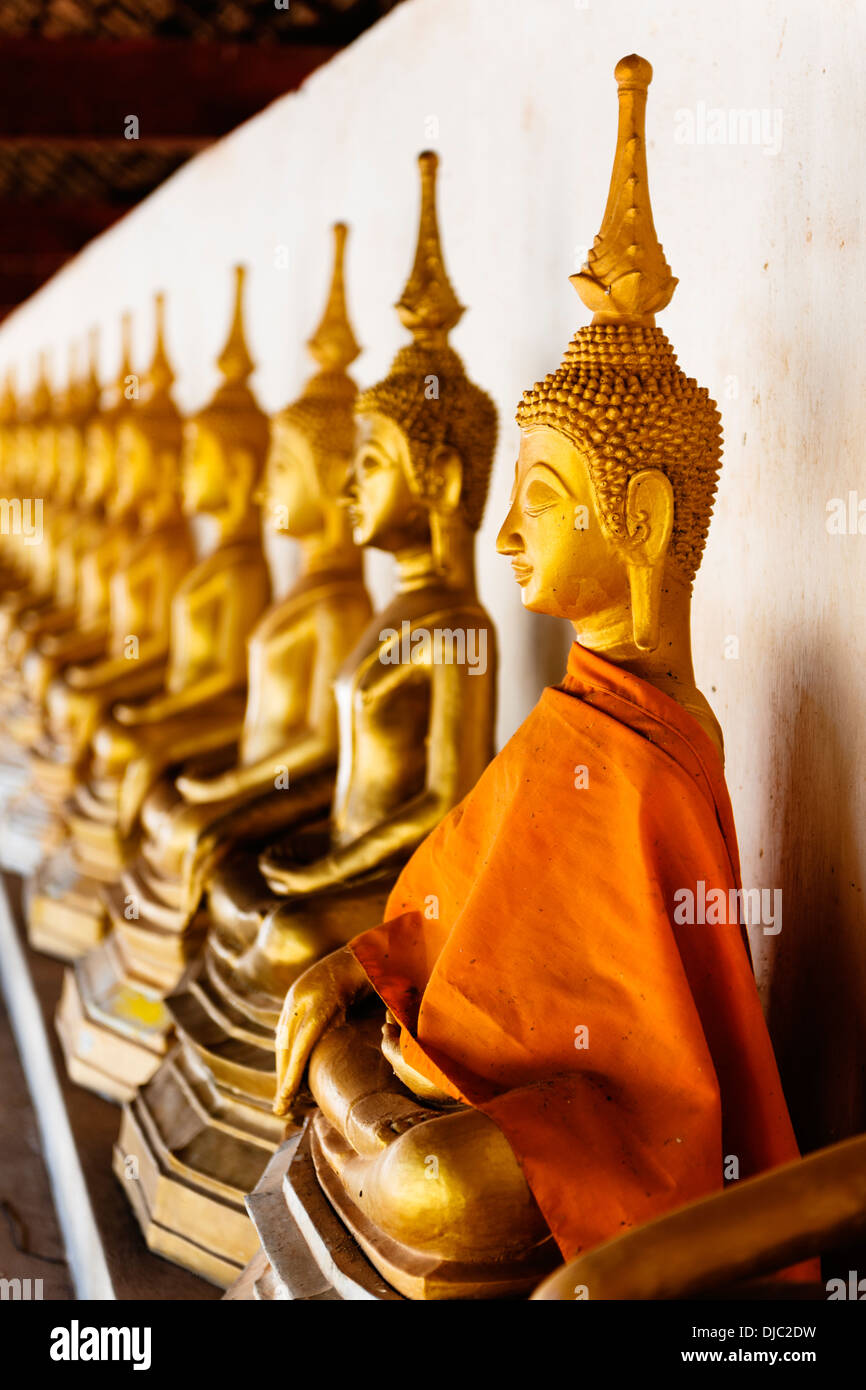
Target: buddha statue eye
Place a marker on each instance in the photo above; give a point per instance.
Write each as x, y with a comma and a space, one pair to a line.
539, 497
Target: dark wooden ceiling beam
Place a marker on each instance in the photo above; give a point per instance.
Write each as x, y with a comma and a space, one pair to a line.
72, 89
52, 228
17, 284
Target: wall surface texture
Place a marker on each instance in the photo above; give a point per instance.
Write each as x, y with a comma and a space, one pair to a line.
761, 219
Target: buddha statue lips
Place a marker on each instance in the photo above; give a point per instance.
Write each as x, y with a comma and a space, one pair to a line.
592, 1061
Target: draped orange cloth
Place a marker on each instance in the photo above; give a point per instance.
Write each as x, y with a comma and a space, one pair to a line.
625, 1057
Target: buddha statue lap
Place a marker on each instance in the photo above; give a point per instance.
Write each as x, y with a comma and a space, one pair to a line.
555, 1058
415, 702
198, 711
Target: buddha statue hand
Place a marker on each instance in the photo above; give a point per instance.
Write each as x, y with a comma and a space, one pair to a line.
284, 875
317, 1001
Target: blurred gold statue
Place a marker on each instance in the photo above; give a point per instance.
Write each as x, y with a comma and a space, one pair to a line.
198, 710
35, 535
133, 447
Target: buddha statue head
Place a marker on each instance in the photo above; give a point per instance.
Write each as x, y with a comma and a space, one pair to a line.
149, 439
428, 434
9, 418
77, 408
312, 438
38, 437
620, 451
224, 443
101, 427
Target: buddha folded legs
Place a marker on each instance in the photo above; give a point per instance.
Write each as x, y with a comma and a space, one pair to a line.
608, 1048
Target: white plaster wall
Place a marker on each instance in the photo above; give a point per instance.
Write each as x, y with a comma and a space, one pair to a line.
519, 99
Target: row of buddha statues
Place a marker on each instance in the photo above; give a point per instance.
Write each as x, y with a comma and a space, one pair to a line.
297, 892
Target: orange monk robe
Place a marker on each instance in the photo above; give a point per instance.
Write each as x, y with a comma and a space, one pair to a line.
624, 1057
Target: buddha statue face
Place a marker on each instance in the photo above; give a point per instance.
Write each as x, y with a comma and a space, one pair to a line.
45, 459
136, 464
70, 460
203, 470
566, 559
291, 492
385, 508
98, 462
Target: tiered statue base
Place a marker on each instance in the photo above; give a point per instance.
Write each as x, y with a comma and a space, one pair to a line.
114, 1027
64, 910
202, 1132
197, 1150
317, 1244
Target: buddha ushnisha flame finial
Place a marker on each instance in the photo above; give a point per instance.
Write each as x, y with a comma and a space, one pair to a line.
626, 278
9, 398
41, 398
155, 411
156, 397
114, 399
235, 361
427, 392
125, 347
619, 395
92, 389
68, 404
428, 306
324, 409
233, 409
334, 345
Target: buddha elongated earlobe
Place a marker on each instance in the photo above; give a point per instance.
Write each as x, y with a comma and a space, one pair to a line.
645, 588
650, 521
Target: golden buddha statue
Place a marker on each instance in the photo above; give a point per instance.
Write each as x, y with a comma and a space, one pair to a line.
141, 519
48, 637
198, 711
24, 581
152, 549
560, 1058
36, 446
415, 702
94, 549
98, 548
11, 483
